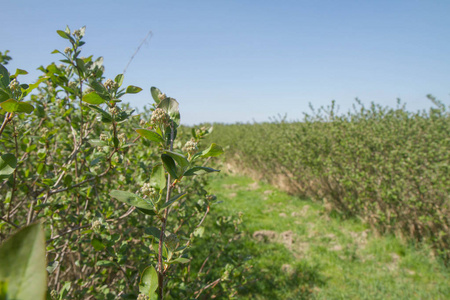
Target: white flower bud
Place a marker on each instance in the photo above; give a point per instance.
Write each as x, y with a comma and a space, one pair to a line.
159, 116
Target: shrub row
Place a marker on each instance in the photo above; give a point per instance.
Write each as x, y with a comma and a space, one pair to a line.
388, 166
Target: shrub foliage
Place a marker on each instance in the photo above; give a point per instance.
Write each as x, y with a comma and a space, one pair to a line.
121, 196
388, 166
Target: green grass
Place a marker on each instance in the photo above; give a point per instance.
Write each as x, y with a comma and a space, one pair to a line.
321, 257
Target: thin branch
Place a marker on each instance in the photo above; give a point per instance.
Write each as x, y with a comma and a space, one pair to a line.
9, 222
161, 270
213, 284
8, 118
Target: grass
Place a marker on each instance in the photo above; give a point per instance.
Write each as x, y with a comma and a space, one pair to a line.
298, 251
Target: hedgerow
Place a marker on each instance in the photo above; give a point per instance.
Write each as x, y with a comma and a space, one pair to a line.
387, 166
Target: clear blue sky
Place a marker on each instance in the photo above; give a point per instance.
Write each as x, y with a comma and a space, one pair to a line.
239, 61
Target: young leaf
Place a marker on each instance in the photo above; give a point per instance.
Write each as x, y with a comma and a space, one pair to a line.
131, 89
62, 34
20, 72
169, 165
149, 281
172, 200
131, 199
150, 135
119, 79
199, 171
155, 94
213, 150
93, 98
23, 264
180, 260
158, 178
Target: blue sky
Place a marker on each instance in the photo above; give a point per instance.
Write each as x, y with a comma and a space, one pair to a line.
240, 61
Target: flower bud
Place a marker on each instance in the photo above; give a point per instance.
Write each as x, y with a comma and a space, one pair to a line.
159, 116
96, 226
142, 297
190, 146
162, 96
110, 84
14, 85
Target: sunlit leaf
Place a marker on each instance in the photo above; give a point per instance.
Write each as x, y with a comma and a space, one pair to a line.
23, 264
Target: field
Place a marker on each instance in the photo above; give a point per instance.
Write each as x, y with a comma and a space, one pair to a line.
100, 201
299, 251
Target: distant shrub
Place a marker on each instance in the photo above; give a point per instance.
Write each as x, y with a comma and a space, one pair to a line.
386, 165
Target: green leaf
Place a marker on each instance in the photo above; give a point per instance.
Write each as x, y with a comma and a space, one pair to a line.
149, 281
150, 135
147, 211
106, 117
62, 34
97, 244
180, 159
81, 65
155, 94
213, 150
99, 88
170, 105
4, 95
23, 264
131, 89
93, 98
105, 263
36, 84
172, 200
20, 72
153, 231
199, 171
131, 199
158, 178
8, 164
180, 260
25, 107
52, 266
4, 76
169, 165
119, 79
12, 105
98, 143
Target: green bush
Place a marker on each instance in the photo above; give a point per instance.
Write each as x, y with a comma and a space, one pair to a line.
121, 196
388, 166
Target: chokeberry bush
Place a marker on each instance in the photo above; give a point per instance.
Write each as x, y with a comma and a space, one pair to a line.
113, 200
386, 166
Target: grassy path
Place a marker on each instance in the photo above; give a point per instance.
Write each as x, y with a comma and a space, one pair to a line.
301, 252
